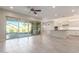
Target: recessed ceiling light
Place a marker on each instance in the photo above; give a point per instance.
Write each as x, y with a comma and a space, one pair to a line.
73, 10
11, 7
53, 6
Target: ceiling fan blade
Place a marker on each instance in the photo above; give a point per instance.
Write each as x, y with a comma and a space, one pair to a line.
32, 9
38, 10
35, 12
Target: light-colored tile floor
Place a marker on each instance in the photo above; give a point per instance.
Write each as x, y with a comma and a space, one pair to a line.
40, 44
27, 44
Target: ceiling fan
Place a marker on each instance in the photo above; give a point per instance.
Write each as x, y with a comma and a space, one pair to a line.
35, 11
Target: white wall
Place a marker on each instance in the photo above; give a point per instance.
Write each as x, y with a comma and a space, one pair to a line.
48, 25
4, 13
70, 25
2, 27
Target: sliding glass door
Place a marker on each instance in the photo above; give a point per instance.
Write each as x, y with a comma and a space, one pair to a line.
24, 29
16, 28
11, 28
36, 28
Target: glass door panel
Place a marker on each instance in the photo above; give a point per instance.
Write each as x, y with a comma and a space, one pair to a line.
24, 29
20, 29
36, 28
11, 28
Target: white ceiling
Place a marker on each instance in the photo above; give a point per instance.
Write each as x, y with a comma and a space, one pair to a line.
47, 11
